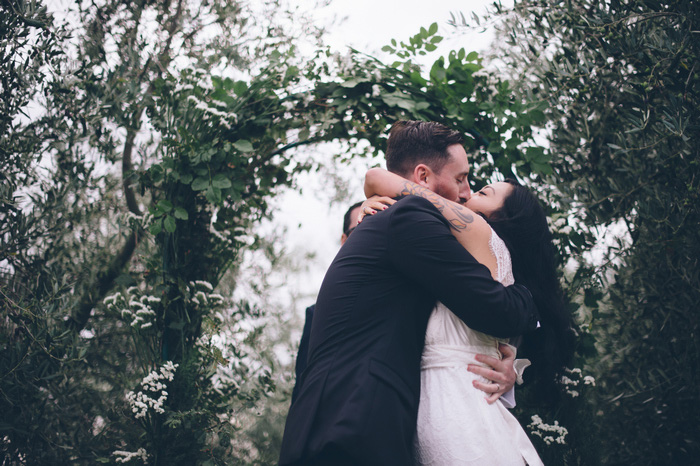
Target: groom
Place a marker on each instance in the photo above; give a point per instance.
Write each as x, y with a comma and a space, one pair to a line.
359, 400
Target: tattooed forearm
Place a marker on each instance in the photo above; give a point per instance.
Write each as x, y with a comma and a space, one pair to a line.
458, 217
461, 220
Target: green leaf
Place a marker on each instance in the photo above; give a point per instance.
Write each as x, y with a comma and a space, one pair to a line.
156, 227
243, 145
213, 195
433, 29
240, 87
186, 178
437, 72
200, 184
169, 224
543, 168
221, 181
537, 115
494, 147
165, 206
291, 72
181, 213
350, 83
537, 155
397, 99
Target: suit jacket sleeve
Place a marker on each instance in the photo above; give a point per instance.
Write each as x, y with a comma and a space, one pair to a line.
303, 353
422, 248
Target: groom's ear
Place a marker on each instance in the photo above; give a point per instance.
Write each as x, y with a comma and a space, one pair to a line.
421, 175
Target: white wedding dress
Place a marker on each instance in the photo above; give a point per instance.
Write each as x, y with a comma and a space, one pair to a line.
456, 426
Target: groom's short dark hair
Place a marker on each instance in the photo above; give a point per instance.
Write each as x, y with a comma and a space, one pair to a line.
412, 142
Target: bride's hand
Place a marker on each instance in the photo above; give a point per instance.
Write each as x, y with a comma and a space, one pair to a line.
374, 204
502, 376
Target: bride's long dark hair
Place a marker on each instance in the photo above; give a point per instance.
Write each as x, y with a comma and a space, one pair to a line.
522, 224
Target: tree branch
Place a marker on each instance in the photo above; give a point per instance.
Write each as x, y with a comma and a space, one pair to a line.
127, 176
102, 283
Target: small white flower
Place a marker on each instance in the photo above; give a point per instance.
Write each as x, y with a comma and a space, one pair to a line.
141, 402
150, 299
204, 284
567, 381
126, 456
539, 428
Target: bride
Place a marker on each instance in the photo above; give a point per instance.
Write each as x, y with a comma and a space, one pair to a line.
504, 227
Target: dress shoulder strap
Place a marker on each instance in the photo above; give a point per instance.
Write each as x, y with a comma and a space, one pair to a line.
503, 261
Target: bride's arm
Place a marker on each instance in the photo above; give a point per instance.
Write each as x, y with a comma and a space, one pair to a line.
470, 229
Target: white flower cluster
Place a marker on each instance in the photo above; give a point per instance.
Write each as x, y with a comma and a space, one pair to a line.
126, 456
345, 62
201, 294
573, 381
561, 224
142, 221
550, 433
133, 219
132, 308
221, 235
152, 386
225, 118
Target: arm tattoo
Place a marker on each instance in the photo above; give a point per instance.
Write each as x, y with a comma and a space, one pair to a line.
457, 216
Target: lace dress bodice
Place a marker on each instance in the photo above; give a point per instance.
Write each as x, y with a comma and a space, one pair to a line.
446, 329
455, 424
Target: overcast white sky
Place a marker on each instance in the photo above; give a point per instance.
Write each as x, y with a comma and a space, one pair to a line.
370, 24
314, 226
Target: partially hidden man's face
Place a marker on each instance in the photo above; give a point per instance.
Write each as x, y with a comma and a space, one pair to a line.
353, 223
452, 182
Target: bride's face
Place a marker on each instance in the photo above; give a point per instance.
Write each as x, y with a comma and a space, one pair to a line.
490, 198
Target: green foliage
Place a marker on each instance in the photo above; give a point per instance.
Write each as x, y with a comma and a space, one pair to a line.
455, 91
140, 182
77, 166
619, 84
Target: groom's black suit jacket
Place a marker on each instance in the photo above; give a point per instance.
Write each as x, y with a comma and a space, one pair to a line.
361, 387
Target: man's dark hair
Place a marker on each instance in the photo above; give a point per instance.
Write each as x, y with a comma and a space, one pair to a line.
413, 142
346, 218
